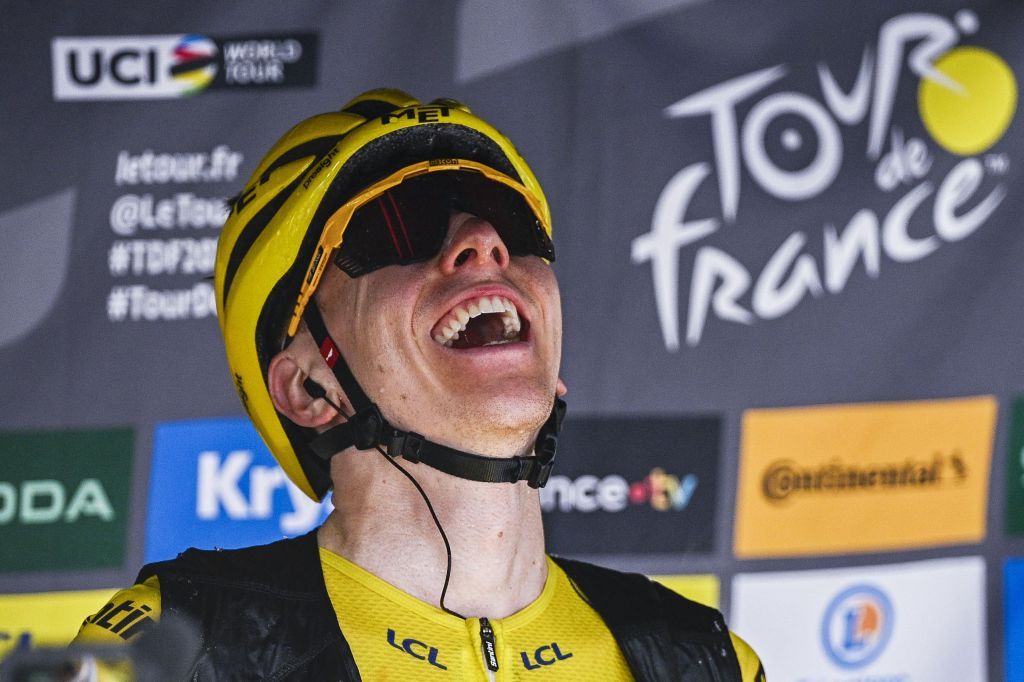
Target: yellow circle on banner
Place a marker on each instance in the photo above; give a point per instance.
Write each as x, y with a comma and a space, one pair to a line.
969, 119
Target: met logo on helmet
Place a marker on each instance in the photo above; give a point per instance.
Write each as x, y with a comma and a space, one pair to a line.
428, 114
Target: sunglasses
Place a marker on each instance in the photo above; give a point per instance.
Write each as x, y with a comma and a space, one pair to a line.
404, 218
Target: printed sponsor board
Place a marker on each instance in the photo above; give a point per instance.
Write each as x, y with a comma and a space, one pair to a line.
64, 498
624, 485
169, 66
1013, 599
913, 622
831, 479
45, 619
704, 589
792, 134
1015, 471
161, 237
213, 483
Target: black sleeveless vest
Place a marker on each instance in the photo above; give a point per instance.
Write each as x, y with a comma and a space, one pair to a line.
264, 614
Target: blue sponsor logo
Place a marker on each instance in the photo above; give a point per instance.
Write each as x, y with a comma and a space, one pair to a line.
213, 483
1013, 594
857, 626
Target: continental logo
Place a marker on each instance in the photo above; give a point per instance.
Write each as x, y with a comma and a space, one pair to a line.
841, 479
785, 480
125, 618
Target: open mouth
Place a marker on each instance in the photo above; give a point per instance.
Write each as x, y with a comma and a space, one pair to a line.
481, 321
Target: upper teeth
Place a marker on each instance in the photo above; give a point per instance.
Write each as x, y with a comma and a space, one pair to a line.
455, 321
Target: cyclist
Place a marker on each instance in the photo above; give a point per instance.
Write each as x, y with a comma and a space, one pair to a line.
393, 328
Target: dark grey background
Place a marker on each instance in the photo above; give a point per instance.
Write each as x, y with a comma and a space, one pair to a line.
581, 88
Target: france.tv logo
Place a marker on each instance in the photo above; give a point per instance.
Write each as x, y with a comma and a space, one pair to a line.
213, 483
857, 626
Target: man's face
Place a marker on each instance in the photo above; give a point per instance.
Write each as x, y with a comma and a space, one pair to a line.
463, 348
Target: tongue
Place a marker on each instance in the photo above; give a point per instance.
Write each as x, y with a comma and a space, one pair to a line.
480, 331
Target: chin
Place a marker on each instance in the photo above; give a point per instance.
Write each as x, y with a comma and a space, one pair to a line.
503, 425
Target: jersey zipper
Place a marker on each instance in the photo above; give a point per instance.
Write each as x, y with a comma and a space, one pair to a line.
488, 647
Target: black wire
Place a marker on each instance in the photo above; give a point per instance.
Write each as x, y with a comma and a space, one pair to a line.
430, 508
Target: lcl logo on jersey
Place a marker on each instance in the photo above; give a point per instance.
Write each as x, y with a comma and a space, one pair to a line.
857, 626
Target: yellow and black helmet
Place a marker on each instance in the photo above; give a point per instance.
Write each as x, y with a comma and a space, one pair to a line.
269, 245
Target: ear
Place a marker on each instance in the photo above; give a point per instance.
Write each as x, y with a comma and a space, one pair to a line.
284, 379
561, 389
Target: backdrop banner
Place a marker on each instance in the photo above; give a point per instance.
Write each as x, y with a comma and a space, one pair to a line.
789, 249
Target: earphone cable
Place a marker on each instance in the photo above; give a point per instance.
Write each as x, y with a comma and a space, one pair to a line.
430, 508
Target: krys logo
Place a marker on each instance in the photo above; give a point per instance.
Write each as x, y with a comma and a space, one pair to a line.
660, 490
857, 626
168, 66
966, 98
213, 483
219, 487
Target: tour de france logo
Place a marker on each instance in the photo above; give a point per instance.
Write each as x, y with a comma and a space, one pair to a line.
766, 123
194, 63
857, 626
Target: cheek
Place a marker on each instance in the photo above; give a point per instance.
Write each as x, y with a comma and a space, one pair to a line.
548, 294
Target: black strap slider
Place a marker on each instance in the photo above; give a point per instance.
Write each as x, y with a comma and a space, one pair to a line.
544, 461
368, 424
407, 444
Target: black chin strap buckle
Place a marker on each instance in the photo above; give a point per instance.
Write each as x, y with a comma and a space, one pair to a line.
543, 462
368, 425
406, 444
546, 446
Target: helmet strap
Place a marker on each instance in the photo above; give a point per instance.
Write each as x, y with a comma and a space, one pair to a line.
368, 429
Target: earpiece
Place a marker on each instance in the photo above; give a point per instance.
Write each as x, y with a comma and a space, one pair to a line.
314, 389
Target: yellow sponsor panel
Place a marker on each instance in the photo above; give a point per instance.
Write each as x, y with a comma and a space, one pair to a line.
45, 619
835, 479
699, 588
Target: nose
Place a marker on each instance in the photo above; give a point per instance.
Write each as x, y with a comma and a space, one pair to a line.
473, 243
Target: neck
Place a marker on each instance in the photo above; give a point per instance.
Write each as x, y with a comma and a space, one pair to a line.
382, 524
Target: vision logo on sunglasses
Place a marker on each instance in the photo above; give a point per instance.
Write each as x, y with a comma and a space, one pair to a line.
428, 114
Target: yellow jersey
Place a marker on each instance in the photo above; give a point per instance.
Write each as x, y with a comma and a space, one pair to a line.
394, 636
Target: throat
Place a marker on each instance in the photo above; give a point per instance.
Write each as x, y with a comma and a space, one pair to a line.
495, 530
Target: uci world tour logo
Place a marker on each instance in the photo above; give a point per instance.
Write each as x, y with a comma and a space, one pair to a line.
170, 66
857, 626
194, 64
937, 169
